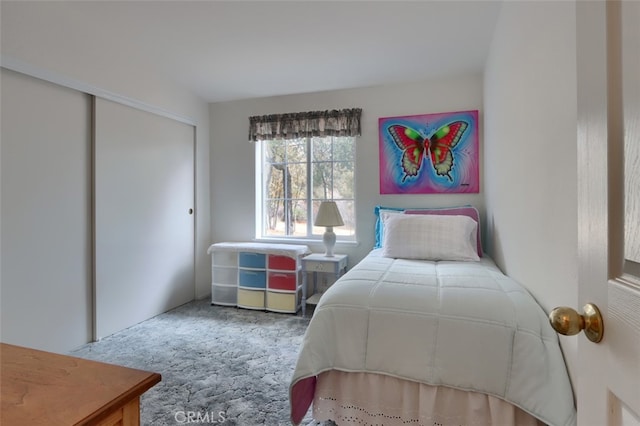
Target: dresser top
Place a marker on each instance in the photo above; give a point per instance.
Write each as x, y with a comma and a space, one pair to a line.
291, 250
321, 257
43, 388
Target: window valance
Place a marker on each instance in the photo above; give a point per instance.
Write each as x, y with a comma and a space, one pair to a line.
344, 122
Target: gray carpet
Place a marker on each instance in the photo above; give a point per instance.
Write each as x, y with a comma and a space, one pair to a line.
219, 365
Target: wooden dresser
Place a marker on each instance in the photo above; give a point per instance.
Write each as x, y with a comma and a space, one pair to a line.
43, 388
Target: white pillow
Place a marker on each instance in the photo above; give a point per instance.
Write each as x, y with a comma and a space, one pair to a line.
384, 214
430, 237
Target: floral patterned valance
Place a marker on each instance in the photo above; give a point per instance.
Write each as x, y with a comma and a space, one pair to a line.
344, 122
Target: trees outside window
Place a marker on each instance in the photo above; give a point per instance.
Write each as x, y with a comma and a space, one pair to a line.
296, 176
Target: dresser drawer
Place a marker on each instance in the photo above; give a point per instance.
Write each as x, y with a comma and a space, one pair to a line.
282, 263
225, 275
224, 258
224, 295
250, 278
282, 302
314, 266
251, 260
282, 281
253, 299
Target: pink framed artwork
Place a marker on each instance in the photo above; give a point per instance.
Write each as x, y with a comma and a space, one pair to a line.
429, 153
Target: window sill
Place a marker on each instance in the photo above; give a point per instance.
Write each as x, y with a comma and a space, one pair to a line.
306, 241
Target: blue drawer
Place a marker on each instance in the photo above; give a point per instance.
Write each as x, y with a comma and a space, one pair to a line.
251, 260
255, 279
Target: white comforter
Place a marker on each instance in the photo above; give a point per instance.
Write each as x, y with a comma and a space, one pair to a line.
459, 324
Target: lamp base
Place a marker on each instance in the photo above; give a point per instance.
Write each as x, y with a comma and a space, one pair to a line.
329, 240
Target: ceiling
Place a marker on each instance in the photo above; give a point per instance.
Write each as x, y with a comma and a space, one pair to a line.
230, 50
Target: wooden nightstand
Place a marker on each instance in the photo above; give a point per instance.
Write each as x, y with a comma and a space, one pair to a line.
315, 263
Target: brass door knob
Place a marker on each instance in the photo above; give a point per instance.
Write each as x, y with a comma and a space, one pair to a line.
567, 321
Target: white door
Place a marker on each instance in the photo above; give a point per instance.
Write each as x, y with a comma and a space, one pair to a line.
608, 67
144, 226
46, 214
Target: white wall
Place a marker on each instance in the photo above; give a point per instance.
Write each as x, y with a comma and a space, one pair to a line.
232, 156
530, 151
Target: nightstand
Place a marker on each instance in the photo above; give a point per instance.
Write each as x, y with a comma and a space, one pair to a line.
315, 263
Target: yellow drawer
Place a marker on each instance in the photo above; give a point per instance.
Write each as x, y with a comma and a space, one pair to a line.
282, 302
252, 299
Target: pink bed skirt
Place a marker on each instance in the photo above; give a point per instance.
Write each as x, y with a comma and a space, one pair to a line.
374, 399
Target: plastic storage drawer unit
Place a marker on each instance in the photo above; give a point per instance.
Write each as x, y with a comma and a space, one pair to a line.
244, 272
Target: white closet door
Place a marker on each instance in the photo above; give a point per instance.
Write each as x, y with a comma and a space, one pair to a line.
46, 214
144, 222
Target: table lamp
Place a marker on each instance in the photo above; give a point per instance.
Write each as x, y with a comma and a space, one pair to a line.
328, 216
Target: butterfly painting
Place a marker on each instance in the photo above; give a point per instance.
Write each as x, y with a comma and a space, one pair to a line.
439, 147
431, 153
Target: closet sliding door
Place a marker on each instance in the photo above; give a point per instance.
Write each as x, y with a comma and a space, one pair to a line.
46, 214
144, 221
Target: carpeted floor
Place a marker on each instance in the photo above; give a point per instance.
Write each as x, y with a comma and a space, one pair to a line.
219, 365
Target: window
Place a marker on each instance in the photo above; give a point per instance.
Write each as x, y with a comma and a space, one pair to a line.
303, 159
295, 176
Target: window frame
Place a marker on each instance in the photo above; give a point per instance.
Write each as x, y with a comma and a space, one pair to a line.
260, 211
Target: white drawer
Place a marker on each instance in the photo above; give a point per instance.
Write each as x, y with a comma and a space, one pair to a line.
224, 258
224, 295
225, 275
313, 266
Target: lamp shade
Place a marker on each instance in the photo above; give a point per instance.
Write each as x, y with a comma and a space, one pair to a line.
328, 215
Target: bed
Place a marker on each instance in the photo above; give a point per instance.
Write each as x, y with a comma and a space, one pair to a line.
424, 331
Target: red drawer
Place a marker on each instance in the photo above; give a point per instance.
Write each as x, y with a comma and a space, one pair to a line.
283, 263
282, 281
